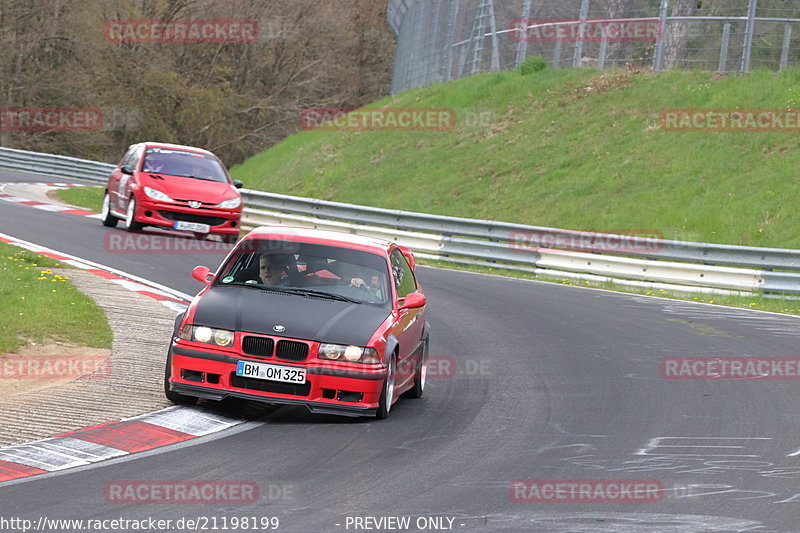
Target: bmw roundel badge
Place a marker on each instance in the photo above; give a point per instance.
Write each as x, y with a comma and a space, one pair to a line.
279, 328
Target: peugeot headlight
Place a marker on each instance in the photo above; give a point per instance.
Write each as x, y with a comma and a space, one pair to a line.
157, 195
351, 354
219, 337
233, 203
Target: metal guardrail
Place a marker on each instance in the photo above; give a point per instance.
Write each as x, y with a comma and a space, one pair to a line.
499, 244
57, 166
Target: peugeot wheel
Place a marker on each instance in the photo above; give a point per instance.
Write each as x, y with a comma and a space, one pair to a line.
106, 217
130, 216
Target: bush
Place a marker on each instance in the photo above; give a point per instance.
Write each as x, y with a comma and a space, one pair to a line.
532, 64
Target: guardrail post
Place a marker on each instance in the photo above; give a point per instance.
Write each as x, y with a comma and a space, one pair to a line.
576, 59
787, 39
748, 35
723, 51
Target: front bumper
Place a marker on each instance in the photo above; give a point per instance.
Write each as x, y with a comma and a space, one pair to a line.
345, 389
164, 214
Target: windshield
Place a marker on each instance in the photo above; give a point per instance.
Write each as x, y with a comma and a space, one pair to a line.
184, 163
309, 269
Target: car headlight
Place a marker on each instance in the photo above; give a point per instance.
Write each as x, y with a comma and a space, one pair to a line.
157, 195
351, 354
220, 337
233, 203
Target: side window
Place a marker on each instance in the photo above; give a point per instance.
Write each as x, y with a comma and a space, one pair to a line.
404, 280
127, 156
131, 158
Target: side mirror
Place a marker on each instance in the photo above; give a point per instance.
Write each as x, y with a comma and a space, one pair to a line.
414, 301
202, 274
406, 251
238, 184
125, 169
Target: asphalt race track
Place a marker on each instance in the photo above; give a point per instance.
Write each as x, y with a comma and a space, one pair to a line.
551, 382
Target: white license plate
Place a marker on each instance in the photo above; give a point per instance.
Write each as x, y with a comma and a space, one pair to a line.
192, 226
286, 374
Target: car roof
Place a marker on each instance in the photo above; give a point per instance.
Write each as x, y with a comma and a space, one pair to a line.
176, 147
321, 236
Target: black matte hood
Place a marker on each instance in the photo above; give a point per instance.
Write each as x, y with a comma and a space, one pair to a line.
315, 319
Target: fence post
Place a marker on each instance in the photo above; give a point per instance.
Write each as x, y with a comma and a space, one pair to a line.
748, 35
451, 28
576, 59
787, 40
415, 50
661, 44
433, 52
522, 45
495, 43
601, 57
723, 51
557, 54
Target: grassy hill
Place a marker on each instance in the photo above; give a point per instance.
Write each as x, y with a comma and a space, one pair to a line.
573, 148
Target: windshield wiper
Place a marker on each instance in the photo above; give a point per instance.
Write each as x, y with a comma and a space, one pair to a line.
293, 290
321, 294
259, 286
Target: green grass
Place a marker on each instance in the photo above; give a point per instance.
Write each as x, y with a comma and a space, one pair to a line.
37, 305
88, 197
572, 148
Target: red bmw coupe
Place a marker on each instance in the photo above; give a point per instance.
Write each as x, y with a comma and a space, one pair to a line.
332, 321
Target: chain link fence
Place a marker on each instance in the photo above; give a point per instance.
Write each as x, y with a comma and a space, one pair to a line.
442, 40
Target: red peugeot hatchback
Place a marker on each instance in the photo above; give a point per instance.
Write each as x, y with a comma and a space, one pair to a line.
173, 186
331, 321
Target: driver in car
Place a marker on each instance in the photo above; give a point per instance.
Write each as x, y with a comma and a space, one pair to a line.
270, 271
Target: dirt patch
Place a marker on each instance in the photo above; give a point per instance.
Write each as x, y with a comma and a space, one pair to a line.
92, 391
39, 367
611, 81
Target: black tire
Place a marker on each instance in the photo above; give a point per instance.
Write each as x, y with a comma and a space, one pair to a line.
420, 374
172, 396
387, 391
130, 221
108, 219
